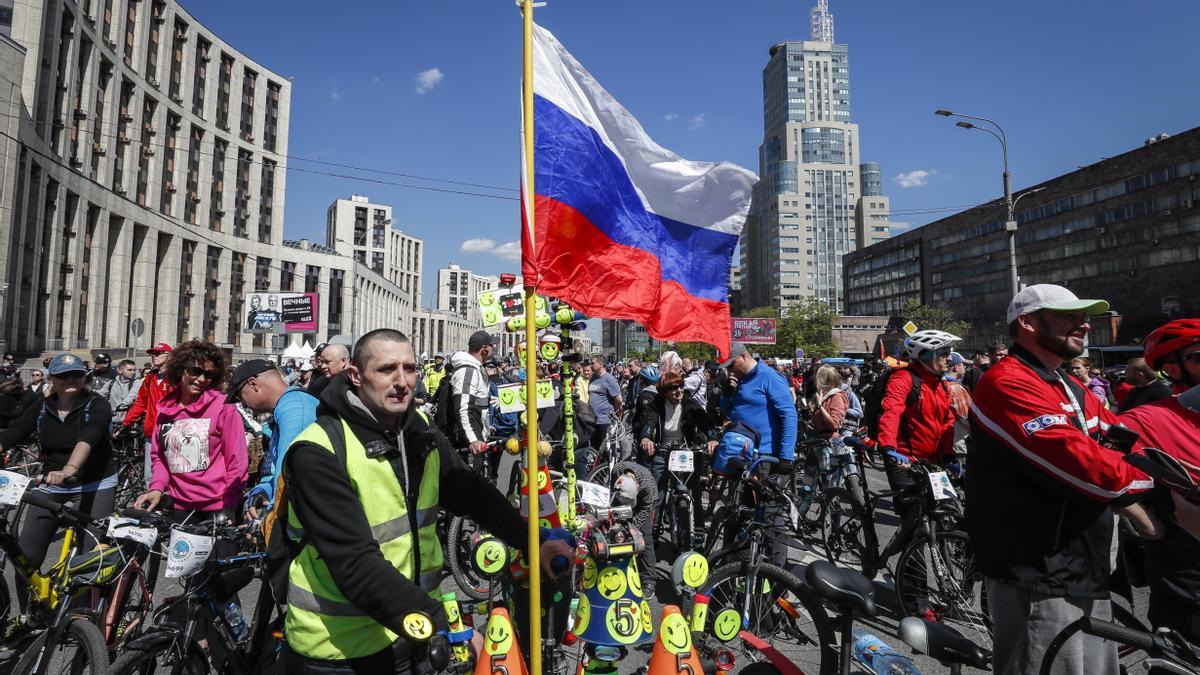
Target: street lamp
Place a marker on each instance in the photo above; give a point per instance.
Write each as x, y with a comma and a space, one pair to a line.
1010, 223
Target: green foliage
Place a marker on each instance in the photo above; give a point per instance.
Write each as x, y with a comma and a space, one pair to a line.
696, 351
933, 318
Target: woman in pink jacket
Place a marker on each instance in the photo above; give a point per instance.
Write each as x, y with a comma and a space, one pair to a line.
198, 446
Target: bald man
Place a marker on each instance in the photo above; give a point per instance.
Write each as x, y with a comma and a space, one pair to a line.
1148, 387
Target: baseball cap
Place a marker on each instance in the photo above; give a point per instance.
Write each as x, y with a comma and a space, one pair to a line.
66, 363
1051, 297
244, 372
159, 348
736, 349
479, 339
305, 367
101, 357
955, 358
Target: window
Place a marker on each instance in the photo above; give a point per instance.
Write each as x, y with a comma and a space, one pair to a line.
247, 118
242, 202
217, 192
266, 201
201, 79
271, 123
224, 83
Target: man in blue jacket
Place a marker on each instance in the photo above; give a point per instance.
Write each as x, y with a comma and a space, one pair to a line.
761, 398
263, 389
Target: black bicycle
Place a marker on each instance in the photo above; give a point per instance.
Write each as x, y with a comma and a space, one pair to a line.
675, 514
1138, 649
129, 455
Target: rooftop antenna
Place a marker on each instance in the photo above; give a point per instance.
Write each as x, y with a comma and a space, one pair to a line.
822, 22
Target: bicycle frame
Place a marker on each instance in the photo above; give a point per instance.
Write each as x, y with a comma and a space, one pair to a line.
43, 588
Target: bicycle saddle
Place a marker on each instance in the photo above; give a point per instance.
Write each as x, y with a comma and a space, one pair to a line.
846, 590
943, 643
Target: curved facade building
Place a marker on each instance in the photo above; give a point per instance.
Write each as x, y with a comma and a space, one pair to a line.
142, 187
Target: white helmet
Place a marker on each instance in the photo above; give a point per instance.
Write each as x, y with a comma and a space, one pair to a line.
924, 340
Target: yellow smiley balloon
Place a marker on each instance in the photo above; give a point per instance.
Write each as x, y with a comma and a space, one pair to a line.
675, 634
611, 583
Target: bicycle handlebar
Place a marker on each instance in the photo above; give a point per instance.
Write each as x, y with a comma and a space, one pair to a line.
43, 500
1116, 632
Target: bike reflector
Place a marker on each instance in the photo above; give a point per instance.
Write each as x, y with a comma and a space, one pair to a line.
187, 553
127, 528
12, 487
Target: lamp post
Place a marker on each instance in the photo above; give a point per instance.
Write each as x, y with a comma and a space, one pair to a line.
1010, 222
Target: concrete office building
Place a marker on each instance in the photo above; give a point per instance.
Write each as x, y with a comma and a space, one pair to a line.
814, 202
142, 181
358, 228
458, 290
1126, 229
620, 338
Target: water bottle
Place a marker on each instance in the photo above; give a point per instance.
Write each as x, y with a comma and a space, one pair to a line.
880, 657
236, 620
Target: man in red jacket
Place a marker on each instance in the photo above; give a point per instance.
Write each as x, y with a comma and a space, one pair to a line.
1042, 490
153, 387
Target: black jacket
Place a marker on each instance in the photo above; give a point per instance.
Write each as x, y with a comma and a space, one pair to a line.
694, 422
1155, 391
88, 421
334, 522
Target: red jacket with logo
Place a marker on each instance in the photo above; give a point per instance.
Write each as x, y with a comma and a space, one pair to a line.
1039, 484
924, 430
154, 386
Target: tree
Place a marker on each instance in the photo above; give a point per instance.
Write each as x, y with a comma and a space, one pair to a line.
933, 318
808, 326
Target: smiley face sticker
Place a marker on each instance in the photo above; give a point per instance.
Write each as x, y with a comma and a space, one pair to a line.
498, 638
611, 583
690, 569
491, 316
589, 573
635, 579
624, 622
675, 634
647, 620
583, 614
490, 557
417, 626
727, 625
507, 396
545, 394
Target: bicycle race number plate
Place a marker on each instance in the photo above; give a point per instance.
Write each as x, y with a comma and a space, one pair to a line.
594, 495
942, 489
12, 487
682, 461
127, 528
187, 553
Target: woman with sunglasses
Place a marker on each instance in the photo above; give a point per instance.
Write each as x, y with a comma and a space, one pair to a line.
72, 427
198, 445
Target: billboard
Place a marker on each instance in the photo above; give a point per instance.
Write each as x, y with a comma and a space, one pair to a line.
754, 331
266, 312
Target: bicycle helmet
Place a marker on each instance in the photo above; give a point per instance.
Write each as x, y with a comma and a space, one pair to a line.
928, 340
1170, 338
649, 374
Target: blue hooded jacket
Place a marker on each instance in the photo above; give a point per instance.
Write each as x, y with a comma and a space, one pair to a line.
763, 401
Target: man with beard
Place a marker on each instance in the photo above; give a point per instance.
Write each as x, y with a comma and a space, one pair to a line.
1042, 491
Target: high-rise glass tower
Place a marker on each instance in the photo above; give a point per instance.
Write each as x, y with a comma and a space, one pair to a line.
812, 204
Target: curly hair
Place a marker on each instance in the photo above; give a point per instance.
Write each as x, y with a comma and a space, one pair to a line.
195, 353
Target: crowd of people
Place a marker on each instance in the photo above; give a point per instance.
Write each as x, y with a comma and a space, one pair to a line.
372, 442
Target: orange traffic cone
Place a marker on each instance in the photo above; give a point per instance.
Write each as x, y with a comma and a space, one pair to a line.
673, 648
500, 646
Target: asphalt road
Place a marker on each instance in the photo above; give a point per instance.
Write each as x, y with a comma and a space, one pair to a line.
884, 625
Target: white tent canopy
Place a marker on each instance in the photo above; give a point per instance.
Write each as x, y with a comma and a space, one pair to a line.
295, 351
307, 351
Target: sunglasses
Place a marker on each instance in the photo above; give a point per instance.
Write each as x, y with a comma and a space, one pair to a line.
196, 371
943, 353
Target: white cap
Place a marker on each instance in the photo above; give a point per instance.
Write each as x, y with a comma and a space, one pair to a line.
1051, 297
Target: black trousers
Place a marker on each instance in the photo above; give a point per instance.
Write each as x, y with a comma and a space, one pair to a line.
400, 659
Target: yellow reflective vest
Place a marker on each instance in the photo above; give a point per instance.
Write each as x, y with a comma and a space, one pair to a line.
433, 377
321, 623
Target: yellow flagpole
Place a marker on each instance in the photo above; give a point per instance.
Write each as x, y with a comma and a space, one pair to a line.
531, 409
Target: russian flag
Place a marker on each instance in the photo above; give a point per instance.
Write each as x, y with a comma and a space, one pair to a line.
626, 229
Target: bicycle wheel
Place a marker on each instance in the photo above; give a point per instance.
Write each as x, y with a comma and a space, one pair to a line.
131, 605
1131, 657
782, 611
458, 557
79, 651
944, 584
133, 661
844, 532
601, 475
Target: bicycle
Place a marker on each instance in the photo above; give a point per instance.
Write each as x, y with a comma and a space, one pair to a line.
69, 639
129, 453
675, 514
189, 633
612, 453
1138, 647
772, 602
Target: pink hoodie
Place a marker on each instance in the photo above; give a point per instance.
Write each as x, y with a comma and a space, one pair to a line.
198, 452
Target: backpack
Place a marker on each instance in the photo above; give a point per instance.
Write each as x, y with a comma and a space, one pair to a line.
280, 549
443, 415
873, 406
739, 444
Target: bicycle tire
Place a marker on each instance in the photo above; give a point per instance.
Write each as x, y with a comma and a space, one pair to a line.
600, 475
844, 532
806, 626
1129, 656
87, 639
133, 661
458, 552
949, 604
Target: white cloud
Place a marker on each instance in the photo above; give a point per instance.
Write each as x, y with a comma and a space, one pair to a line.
671, 117
335, 94
914, 178
510, 251
696, 121
899, 228
477, 245
428, 79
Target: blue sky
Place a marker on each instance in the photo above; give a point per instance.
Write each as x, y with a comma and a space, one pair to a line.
432, 89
